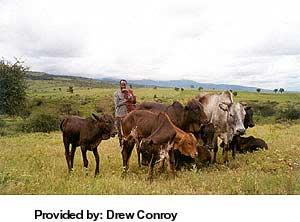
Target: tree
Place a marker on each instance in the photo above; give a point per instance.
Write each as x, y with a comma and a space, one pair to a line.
258, 90
12, 87
200, 88
275, 90
281, 90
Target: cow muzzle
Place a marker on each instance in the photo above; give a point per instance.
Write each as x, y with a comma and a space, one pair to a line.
240, 131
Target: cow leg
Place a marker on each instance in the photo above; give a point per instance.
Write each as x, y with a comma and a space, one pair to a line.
226, 148
232, 146
85, 160
126, 153
171, 163
215, 151
96, 154
67, 153
160, 166
73, 149
151, 166
138, 152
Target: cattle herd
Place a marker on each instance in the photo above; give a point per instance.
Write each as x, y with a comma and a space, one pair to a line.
178, 135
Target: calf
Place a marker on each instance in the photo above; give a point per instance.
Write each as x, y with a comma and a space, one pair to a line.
140, 124
248, 144
157, 136
86, 133
189, 118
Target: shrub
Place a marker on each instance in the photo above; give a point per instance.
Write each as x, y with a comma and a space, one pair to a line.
12, 87
235, 93
289, 113
65, 108
41, 122
37, 102
264, 109
2, 123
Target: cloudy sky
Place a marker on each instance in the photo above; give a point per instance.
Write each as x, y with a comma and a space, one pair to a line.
252, 43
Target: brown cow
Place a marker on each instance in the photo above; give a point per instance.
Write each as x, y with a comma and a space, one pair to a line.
184, 144
160, 136
188, 118
86, 133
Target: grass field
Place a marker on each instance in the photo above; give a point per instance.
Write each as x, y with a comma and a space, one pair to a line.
34, 163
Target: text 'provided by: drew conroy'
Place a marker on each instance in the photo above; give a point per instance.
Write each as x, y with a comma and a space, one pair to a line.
104, 215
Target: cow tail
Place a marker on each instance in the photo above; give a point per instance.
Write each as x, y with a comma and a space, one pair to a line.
61, 125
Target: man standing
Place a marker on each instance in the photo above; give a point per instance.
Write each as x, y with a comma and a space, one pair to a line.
124, 103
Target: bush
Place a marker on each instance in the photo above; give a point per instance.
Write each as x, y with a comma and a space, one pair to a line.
12, 87
65, 108
290, 113
37, 102
264, 109
2, 123
41, 122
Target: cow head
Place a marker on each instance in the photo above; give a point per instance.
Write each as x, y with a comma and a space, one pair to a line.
226, 97
188, 145
235, 117
195, 115
248, 122
106, 124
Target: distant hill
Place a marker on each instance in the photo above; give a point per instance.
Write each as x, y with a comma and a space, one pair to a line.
112, 82
183, 83
71, 80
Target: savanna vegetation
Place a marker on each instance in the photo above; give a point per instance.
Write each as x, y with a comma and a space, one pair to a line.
32, 154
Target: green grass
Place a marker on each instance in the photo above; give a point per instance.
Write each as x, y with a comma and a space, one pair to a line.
35, 164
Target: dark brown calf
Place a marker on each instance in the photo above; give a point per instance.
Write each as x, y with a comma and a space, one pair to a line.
249, 144
86, 133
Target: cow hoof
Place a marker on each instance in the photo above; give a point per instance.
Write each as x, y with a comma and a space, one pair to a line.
86, 172
123, 174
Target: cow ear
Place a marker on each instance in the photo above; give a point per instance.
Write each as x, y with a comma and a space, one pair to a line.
247, 107
223, 106
243, 104
96, 117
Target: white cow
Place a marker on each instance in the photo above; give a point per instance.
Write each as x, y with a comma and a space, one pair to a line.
227, 117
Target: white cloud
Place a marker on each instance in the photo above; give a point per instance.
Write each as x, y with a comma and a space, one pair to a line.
235, 42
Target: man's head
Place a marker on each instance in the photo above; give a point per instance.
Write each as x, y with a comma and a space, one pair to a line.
123, 84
